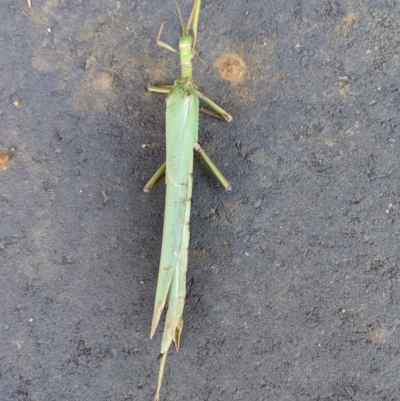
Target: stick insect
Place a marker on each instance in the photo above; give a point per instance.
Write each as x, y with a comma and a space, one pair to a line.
182, 120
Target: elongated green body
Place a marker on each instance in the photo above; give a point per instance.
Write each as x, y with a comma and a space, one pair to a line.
182, 120
181, 136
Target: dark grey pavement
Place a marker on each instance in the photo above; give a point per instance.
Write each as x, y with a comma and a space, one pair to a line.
293, 279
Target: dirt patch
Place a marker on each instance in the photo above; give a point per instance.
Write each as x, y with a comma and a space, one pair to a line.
231, 67
346, 23
4, 158
376, 334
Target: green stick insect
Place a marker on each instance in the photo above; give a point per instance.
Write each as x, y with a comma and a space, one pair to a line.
182, 123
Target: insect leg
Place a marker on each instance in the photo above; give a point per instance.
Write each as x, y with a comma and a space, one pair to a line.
155, 178
213, 105
213, 167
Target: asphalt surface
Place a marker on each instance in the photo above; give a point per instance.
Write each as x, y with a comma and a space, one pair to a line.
293, 278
